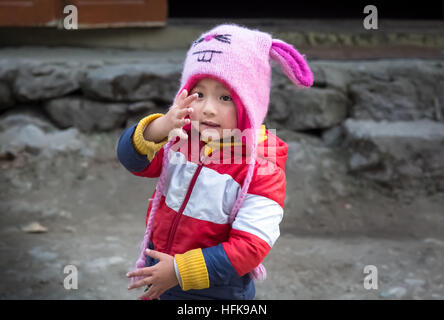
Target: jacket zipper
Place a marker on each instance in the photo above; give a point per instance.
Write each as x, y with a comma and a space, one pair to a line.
182, 207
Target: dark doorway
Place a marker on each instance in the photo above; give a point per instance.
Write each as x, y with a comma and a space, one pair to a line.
427, 9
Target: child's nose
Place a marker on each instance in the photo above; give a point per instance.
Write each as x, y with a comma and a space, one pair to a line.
208, 108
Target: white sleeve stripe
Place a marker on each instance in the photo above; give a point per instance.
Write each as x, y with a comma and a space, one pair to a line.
260, 216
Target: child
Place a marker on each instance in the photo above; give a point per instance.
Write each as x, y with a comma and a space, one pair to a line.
211, 223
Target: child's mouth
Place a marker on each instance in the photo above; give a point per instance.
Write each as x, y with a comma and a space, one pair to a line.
210, 124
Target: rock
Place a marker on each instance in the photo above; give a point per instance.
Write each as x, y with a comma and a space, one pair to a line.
396, 153
86, 115
389, 91
288, 135
305, 109
141, 107
279, 107
8, 70
139, 110
6, 99
24, 115
332, 75
128, 82
303, 156
34, 227
381, 90
333, 137
42, 80
35, 140
359, 161
434, 241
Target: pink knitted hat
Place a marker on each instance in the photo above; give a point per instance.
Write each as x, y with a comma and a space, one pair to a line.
239, 58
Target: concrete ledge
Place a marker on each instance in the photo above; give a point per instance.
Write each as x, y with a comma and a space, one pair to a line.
179, 33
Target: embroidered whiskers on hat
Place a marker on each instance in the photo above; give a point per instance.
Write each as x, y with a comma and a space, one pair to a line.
239, 58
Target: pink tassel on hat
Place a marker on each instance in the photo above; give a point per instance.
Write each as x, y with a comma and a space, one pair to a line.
259, 273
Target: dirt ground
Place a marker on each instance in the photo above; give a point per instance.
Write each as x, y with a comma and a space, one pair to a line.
94, 211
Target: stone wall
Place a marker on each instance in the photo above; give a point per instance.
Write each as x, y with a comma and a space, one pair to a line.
385, 115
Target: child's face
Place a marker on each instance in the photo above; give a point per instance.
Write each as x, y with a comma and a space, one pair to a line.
215, 105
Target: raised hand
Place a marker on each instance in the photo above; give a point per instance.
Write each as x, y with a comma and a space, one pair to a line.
177, 113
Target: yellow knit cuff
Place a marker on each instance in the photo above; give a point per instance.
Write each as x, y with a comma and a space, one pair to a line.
193, 270
148, 148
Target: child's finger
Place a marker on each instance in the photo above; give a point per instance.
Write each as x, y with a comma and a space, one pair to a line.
184, 122
179, 123
154, 254
140, 272
180, 97
149, 294
182, 113
188, 100
141, 283
183, 94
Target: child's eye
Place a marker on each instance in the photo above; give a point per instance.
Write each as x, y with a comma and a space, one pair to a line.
199, 94
226, 98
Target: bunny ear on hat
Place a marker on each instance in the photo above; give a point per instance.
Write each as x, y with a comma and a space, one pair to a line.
292, 63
